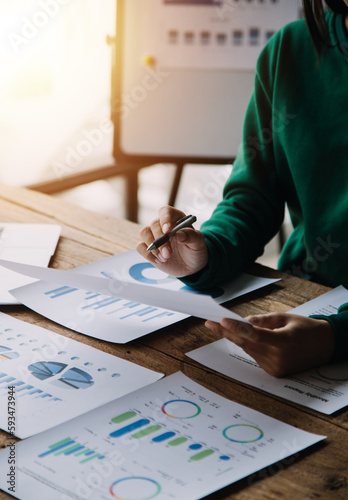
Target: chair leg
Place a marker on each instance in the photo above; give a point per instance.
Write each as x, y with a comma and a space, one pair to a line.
132, 185
176, 183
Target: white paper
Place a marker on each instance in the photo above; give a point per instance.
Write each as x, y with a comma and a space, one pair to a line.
57, 378
234, 32
123, 297
171, 440
324, 389
29, 243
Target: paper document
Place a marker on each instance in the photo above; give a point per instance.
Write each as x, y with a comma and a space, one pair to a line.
324, 389
123, 297
171, 440
56, 378
29, 243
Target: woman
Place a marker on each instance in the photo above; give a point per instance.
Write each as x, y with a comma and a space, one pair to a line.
294, 151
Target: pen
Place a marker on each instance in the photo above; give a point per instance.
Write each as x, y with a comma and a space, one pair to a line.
181, 224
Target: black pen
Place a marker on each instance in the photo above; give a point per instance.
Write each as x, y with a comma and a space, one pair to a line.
181, 224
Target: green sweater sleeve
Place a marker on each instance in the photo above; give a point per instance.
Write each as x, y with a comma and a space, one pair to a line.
252, 208
339, 323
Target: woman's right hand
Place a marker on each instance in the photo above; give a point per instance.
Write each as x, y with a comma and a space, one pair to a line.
186, 253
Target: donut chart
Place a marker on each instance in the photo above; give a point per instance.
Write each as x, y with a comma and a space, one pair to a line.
143, 272
243, 433
181, 409
135, 488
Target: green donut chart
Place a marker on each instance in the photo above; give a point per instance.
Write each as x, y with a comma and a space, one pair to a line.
243, 433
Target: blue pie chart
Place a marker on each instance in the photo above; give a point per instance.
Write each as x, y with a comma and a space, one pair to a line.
137, 273
72, 378
7, 353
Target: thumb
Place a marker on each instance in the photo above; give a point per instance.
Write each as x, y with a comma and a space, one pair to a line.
191, 238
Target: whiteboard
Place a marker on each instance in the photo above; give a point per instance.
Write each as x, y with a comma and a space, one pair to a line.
186, 73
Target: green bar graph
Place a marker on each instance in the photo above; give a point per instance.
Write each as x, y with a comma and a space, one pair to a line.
177, 441
60, 443
123, 417
146, 432
83, 452
90, 458
201, 455
67, 450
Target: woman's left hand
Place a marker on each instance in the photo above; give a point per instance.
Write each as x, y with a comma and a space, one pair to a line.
281, 343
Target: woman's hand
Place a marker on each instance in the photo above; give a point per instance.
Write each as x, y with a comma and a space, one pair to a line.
186, 253
281, 344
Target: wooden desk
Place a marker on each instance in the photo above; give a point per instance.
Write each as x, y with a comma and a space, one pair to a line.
319, 472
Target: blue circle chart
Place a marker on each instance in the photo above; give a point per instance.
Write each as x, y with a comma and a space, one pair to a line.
135, 488
243, 433
137, 273
181, 408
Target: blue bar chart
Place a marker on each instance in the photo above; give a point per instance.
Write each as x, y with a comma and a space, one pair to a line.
23, 389
69, 447
124, 308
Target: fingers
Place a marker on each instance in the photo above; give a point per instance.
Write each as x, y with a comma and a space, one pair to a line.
168, 217
142, 249
148, 235
191, 238
244, 335
237, 332
271, 320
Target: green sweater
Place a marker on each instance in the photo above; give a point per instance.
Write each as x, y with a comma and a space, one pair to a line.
294, 151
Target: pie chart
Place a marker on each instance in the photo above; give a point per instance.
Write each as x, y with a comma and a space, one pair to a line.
144, 272
61, 375
7, 353
46, 369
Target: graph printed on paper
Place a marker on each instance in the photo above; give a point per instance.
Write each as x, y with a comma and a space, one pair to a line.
115, 319
173, 439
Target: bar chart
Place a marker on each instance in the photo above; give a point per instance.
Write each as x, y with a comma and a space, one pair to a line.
69, 447
139, 428
23, 389
124, 308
